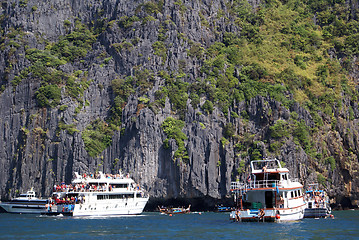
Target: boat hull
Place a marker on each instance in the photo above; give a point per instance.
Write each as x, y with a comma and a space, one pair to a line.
316, 209
252, 215
103, 208
175, 211
268, 215
23, 208
316, 213
291, 214
224, 209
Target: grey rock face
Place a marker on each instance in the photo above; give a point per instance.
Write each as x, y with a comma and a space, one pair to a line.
35, 152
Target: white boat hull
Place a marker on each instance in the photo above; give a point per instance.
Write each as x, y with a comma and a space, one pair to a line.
23, 208
105, 208
291, 214
270, 215
111, 208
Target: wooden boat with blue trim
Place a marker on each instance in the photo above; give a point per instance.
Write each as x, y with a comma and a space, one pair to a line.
268, 195
221, 208
170, 211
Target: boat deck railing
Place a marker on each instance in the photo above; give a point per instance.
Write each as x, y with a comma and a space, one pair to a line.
263, 184
241, 186
237, 185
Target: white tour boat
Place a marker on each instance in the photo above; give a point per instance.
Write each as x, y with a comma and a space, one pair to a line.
317, 203
268, 195
26, 203
99, 196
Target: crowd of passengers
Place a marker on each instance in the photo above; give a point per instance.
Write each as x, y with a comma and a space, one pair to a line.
86, 187
319, 198
81, 187
69, 200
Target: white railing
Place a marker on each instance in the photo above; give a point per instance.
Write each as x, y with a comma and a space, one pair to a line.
238, 188
263, 184
237, 185
241, 186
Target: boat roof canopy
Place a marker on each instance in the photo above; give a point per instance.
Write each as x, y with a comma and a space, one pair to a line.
267, 165
101, 179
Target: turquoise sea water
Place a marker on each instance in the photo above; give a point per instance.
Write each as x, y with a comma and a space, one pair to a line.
190, 226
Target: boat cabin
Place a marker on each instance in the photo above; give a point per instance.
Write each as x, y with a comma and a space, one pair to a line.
28, 194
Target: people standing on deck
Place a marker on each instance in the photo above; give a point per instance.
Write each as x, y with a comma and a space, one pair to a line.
281, 201
86, 187
238, 213
261, 214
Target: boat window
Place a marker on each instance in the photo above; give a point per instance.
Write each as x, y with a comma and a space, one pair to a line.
117, 196
291, 194
296, 194
102, 197
97, 183
114, 196
120, 185
259, 177
285, 177
273, 177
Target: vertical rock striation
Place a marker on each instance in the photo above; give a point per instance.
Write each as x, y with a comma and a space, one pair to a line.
37, 152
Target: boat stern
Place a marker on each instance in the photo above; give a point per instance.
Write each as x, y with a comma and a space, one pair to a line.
254, 215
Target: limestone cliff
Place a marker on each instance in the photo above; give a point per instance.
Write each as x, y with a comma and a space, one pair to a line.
42, 134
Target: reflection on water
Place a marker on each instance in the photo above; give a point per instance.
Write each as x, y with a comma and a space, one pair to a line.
188, 226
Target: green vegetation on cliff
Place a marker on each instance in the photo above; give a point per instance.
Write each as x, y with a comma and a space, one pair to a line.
45, 66
279, 49
282, 51
97, 137
291, 51
173, 129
